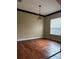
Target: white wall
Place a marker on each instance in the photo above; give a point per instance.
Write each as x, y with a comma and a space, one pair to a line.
28, 26
47, 27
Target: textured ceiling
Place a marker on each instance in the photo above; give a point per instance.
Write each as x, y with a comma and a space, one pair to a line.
48, 6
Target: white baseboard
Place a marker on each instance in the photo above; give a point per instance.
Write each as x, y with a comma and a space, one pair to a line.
28, 38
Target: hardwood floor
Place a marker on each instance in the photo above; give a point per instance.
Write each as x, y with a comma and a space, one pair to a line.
37, 49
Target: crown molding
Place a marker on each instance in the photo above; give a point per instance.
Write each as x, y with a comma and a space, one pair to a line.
29, 12
53, 13
38, 14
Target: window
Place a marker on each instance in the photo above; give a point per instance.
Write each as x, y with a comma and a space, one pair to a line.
55, 26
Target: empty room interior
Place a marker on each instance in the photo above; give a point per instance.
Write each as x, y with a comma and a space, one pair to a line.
38, 29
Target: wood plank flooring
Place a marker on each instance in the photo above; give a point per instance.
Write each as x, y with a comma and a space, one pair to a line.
37, 49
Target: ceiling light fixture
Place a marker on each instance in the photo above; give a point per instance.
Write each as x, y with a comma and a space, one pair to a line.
19, 0
40, 17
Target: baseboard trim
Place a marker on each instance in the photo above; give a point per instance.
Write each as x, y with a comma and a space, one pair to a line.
24, 39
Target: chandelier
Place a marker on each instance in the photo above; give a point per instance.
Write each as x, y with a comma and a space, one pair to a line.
40, 17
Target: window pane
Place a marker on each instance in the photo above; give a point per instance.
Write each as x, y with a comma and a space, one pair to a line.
55, 26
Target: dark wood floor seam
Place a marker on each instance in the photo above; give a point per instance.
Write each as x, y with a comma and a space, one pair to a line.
53, 55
